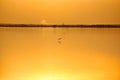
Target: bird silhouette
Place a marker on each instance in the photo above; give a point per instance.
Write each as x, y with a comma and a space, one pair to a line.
59, 40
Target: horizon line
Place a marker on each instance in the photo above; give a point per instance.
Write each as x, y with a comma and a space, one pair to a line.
62, 25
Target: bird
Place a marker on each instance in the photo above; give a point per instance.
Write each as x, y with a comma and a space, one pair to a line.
59, 40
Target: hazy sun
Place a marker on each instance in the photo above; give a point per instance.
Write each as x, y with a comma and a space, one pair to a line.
44, 22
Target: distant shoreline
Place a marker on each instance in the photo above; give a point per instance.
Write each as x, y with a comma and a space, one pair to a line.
62, 25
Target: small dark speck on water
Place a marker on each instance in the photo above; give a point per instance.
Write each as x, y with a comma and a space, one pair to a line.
59, 40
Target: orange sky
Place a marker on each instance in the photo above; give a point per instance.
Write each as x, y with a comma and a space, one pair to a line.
60, 11
36, 54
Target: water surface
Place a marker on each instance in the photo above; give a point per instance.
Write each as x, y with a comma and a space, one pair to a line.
47, 53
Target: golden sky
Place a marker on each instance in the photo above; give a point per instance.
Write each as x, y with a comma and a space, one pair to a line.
39, 54
60, 11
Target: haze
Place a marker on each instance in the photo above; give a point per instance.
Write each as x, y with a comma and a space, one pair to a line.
60, 11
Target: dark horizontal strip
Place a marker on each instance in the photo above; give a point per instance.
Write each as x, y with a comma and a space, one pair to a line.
73, 26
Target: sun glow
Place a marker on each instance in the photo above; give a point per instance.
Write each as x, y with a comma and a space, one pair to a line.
49, 77
53, 78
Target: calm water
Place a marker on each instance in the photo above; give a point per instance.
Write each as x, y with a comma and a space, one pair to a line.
59, 53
